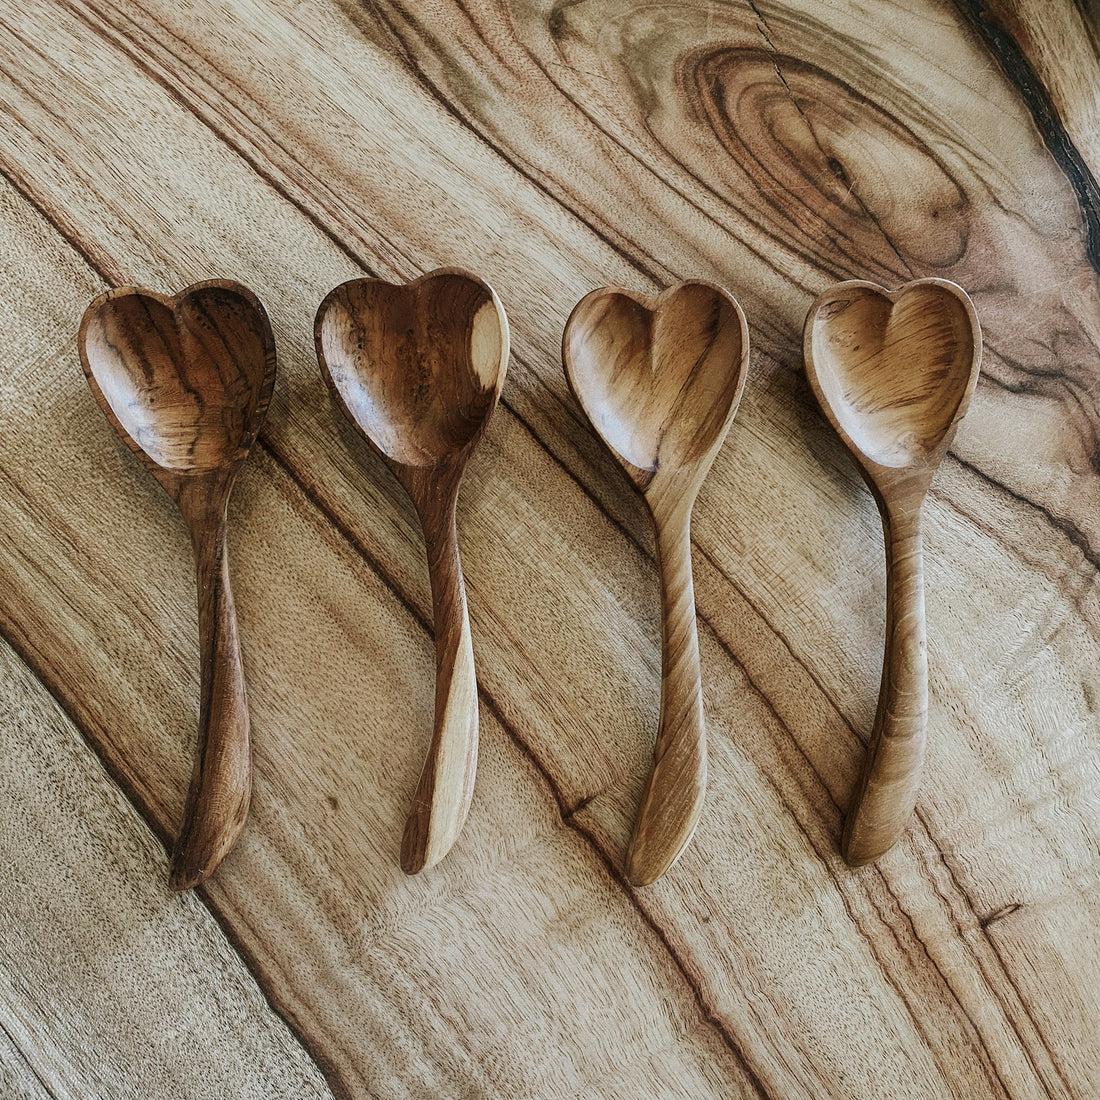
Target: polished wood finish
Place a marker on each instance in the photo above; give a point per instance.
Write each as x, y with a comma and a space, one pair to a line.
774, 148
186, 382
894, 372
418, 370
660, 379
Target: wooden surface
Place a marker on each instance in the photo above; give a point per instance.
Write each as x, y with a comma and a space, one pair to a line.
769, 147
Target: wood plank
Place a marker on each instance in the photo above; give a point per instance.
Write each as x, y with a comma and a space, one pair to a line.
519, 145
109, 984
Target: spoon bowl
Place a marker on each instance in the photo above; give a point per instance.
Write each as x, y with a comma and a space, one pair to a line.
660, 379
653, 374
418, 369
894, 373
893, 418
186, 381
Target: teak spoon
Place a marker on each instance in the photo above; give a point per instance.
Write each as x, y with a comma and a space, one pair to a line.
186, 381
418, 369
660, 379
893, 372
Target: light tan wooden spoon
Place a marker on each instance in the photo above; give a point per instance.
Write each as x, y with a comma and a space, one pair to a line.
418, 370
660, 379
186, 381
894, 372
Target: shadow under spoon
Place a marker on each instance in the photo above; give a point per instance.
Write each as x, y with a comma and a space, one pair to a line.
893, 372
418, 369
660, 379
186, 381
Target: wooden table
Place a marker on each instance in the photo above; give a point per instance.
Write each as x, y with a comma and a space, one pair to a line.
771, 146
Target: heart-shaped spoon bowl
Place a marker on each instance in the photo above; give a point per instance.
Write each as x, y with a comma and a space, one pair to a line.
893, 372
660, 379
653, 374
418, 369
186, 381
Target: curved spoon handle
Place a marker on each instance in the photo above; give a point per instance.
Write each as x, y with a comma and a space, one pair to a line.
887, 789
221, 783
673, 797
446, 784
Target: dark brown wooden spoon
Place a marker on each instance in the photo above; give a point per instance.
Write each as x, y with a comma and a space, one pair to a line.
894, 371
660, 379
418, 369
186, 381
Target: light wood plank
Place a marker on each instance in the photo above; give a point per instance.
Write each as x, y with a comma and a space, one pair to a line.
109, 984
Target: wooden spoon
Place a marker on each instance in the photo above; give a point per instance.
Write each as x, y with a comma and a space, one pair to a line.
893, 372
186, 381
418, 369
660, 379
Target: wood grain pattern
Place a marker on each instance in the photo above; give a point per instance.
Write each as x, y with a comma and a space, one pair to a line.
109, 984
186, 382
660, 379
894, 373
774, 148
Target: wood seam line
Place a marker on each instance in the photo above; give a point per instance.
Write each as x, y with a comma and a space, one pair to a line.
100, 265
833, 705
1021, 74
28, 1063
333, 1078
567, 815
989, 1062
982, 927
1072, 533
435, 93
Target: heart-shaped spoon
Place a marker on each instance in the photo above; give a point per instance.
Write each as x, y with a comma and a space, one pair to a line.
418, 369
186, 382
893, 372
660, 379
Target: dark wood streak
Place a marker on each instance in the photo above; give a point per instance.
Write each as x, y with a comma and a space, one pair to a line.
988, 1063
985, 18
647, 265
99, 263
1070, 530
991, 941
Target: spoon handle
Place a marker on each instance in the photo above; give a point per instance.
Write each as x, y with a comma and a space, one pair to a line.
221, 783
446, 785
887, 789
673, 797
